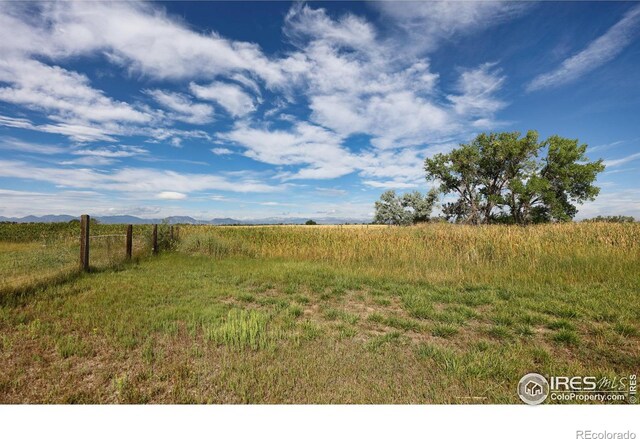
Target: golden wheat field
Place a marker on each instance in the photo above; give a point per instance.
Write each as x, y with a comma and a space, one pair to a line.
554, 253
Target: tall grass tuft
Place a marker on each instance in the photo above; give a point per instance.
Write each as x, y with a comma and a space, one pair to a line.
242, 329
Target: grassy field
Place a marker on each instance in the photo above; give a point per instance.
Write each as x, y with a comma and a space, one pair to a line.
37, 255
433, 314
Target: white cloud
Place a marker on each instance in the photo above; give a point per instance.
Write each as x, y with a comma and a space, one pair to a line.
612, 202
600, 51
400, 169
168, 195
133, 180
247, 82
229, 96
349, 30
390, 184
80, 133
477, 88
22, 203
352, 77
139, 36
103, 156
221, 151
9, 143
604, 146
91, 161
60, 92
320, 154
112, 152
427, 23
617, 162
305, 144
182, 107
357, 84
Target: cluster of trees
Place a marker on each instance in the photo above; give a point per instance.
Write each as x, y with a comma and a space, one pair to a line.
611, 219
502, 178
411, 208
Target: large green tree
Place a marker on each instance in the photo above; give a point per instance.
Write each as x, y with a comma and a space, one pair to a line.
501, 177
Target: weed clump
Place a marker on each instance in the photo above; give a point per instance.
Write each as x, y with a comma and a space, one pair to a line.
243, 329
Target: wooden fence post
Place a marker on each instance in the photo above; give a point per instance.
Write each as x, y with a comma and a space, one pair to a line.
155, 239
84, 242
129, 241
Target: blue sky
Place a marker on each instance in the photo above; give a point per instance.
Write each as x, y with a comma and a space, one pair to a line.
261, 109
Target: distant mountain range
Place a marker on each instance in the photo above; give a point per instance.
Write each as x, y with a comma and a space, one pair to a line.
128, 219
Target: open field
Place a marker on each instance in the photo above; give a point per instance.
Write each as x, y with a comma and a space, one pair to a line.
432, 314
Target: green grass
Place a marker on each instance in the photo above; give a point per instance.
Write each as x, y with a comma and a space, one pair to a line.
242, 329
239, 321
444, 331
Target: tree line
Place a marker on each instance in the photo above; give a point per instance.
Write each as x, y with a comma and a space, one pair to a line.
500, 178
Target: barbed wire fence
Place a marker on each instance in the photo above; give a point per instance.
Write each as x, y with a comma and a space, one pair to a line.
100, 250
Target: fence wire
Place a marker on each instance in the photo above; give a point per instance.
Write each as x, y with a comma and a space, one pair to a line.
39, 253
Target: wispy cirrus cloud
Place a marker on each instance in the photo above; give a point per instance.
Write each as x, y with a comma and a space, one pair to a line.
611, 163
130, 180
427, 23
477, 88
10, 143
182, 107
600, 51
229, 96
77, 132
